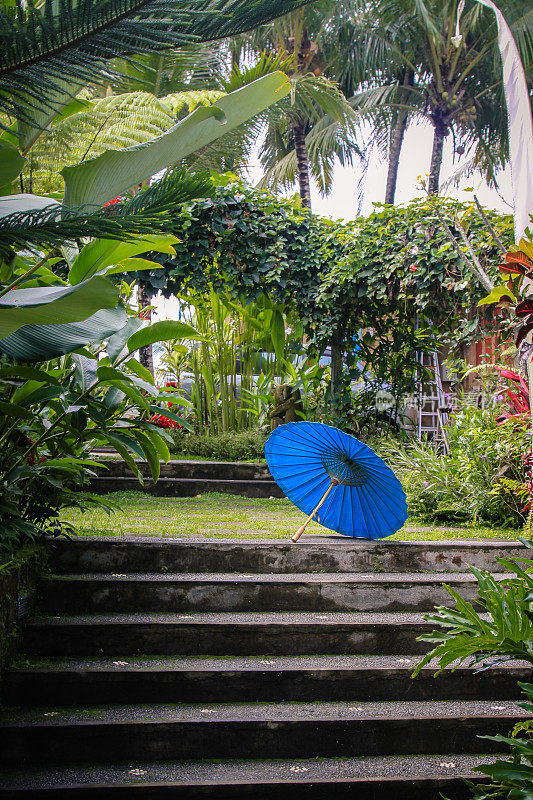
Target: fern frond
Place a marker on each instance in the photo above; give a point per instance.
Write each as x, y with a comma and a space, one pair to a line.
110, 124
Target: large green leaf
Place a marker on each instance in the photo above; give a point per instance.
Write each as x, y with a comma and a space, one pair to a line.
11, 163
102, 253
54, 305
277, 333
42, 342
117, 342
161, 332
111, 174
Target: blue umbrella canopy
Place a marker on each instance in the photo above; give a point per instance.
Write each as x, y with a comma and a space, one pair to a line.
321, 469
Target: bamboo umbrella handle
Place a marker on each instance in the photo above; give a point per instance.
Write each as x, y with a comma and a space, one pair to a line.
334, 482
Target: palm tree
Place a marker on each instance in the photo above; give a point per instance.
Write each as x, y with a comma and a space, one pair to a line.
454, 80
305, 134
360, 61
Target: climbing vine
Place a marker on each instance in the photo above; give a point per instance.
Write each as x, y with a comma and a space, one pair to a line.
393, 275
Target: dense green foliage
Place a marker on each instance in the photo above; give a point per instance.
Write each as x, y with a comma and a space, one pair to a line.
242, 446
50, 53
482, 478
230, 371
55, 414
497, 628
393, 275
400, 259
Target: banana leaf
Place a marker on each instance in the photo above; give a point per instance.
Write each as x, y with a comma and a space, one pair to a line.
109, 175
53, 305
42, 342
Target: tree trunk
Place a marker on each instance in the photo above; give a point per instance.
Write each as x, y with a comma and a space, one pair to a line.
302, 166
302, 162
439, 135
145, 353
396, 144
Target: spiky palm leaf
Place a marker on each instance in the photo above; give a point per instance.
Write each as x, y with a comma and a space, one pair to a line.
149, 211
186, 68
327, 141
332, 134
48, 53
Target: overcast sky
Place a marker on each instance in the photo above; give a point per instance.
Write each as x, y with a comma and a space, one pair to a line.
342, 202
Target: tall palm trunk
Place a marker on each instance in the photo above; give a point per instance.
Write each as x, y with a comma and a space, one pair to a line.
302, 162
397, 142
440, 131
302, 168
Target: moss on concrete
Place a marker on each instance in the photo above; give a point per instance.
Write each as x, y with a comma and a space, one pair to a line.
19, 576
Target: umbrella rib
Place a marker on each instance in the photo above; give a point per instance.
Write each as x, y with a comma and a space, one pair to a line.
349, 511
376, 510
368, 509
360, 515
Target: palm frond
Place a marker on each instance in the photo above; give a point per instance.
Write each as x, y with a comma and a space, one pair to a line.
47, 53
148, 212
281, 174
313, 96
328, 140
187, 68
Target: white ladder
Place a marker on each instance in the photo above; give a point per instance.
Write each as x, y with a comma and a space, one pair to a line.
433, 412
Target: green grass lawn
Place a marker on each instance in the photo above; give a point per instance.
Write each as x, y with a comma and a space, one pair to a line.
227, 516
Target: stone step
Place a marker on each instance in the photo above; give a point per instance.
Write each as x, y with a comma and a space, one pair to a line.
364, 778
246, 679
185, 487
255, 730
220, 470
313, 553
389, 592
225, 633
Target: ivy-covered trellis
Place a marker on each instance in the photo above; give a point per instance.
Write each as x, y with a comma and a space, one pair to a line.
393, 275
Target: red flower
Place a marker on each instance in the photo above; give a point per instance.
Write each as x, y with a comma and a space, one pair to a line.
163, 422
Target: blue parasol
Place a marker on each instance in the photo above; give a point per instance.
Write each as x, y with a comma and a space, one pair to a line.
320, 467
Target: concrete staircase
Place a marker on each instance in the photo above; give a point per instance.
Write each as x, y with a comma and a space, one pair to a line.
239, 669
187, 478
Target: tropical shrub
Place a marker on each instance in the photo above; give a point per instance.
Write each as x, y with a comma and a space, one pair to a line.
513, 295
239, 446
56, 413
495, 628
365, 283
482, 478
